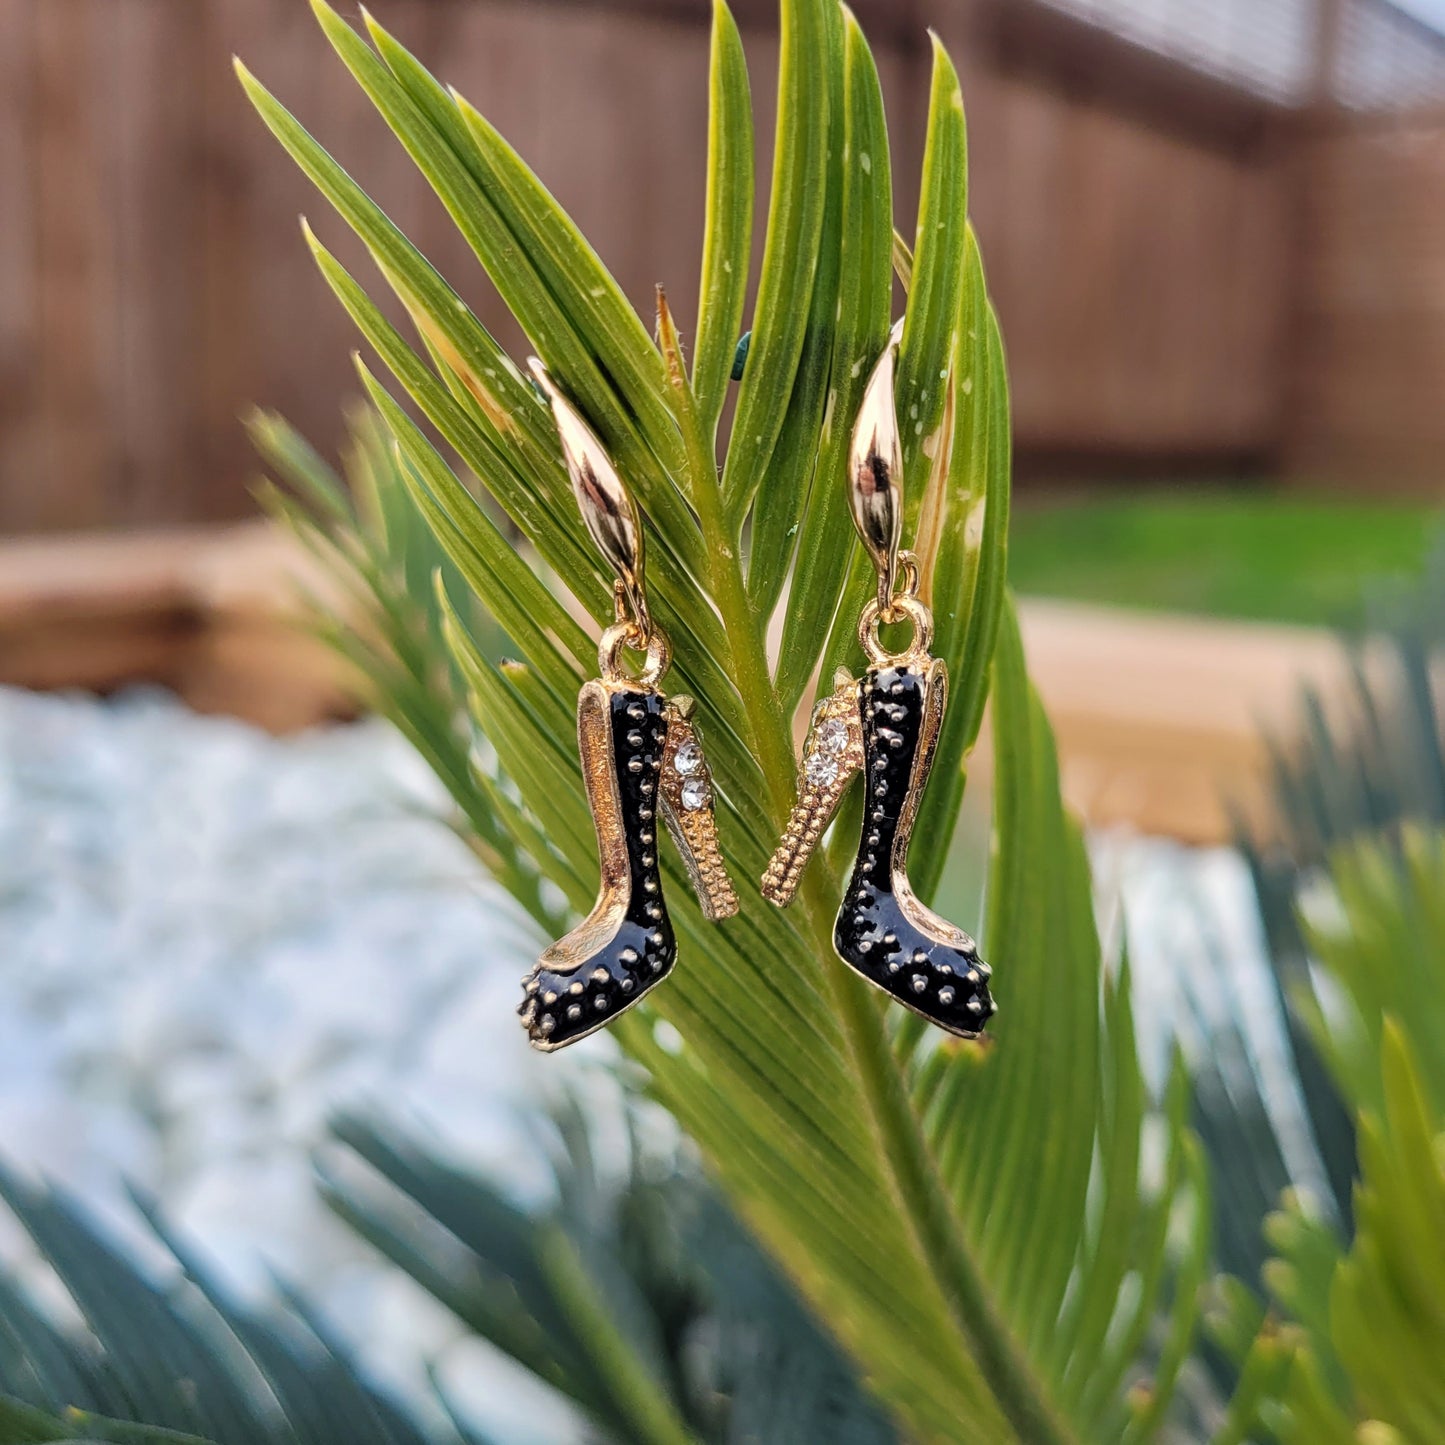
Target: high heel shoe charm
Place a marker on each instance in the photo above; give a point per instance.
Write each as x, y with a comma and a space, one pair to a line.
885, 726
640, 760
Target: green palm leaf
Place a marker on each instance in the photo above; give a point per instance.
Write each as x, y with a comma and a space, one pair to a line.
978, 1225
1371, 1328
171, 1362
642, 1300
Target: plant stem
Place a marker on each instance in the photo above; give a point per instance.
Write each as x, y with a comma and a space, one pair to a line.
639, 1399
1010, 1377
896, 1127
771, 738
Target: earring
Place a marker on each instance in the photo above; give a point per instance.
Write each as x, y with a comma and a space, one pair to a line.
640, 757
884, 725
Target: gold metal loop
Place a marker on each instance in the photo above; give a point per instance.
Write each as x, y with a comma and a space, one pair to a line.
630, 635
903, 607
912, 579
606, 503
875, 467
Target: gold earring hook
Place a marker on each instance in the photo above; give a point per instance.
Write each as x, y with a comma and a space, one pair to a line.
606, 504
875, 467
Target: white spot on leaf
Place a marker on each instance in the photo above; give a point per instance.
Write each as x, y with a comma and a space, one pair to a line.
973, 526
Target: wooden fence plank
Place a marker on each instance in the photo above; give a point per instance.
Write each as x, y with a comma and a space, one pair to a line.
152, 283
20, 423
1372, 347
74, 356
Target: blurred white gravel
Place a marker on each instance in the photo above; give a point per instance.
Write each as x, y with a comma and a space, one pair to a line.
210, 938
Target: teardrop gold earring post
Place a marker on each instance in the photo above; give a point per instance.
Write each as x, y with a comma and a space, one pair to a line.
884, 726
641, 758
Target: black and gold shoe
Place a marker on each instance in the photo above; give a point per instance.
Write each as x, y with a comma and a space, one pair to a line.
641, 761
885, 728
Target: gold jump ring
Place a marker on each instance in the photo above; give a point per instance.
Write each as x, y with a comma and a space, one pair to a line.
628, 634
903, 607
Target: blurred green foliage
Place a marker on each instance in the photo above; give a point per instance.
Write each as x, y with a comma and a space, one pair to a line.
1007, 1243
1253, 554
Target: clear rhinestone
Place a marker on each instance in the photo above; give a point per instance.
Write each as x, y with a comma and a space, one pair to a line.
688, 759
820, 769
695, 794
833, 736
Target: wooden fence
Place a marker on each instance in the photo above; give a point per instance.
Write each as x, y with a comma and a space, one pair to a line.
1370, 403
1141, 224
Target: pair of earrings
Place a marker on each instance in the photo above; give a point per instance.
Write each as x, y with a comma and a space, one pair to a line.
641, 760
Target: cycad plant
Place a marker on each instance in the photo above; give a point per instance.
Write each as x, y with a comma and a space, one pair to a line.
1008, 1240
1331, 1199
976, 1224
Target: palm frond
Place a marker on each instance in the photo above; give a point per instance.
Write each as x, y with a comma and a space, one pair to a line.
943, 1208
1362, 767
637, 1294
175, 1361
1369, 1308
1348, 890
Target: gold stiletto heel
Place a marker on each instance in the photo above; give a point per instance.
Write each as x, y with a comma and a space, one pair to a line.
832, 753
687, 809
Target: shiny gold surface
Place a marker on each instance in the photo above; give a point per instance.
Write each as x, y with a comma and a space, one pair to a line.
594, 742
906, 608
875, 467
819, 788
921, 917
606, 503
623, 635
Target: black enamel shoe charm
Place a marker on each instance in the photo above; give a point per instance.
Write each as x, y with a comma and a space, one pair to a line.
884, 726
641, 763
